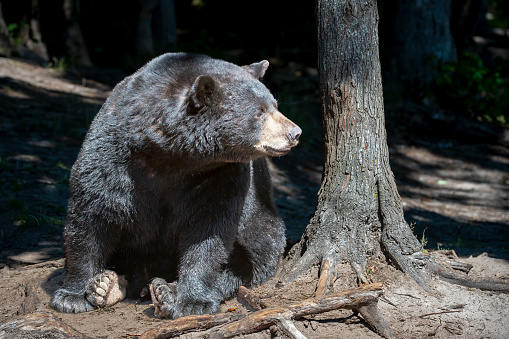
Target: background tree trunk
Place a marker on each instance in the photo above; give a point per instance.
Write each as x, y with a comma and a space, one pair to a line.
157, 27
77, 52
5, 39
418, 31
359, 215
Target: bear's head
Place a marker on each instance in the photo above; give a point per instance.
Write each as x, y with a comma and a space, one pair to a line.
242, 112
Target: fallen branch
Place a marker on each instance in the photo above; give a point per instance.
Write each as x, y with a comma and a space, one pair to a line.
260, 320
254, 301
188, 324
441, 312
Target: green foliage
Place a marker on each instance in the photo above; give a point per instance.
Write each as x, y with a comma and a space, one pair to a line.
14, 30
59, 64
498, 13
471, 87
27, 219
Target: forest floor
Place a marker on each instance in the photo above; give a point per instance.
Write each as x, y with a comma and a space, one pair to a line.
452, 174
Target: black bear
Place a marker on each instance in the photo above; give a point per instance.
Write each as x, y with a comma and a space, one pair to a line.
171, 182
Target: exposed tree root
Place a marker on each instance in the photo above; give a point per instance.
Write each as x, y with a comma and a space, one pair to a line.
252, 299
376, 321
327, 275
397, 237
450, 276
408, 264
291, 272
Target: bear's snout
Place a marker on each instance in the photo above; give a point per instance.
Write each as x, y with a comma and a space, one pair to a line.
278, 135
294, 134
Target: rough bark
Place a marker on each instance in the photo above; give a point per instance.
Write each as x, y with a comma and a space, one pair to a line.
359, 214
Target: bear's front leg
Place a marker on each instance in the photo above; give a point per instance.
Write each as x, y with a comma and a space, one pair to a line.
163, 296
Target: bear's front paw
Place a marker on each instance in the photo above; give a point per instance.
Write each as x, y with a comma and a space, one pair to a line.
71, 302
106, 289
167, 304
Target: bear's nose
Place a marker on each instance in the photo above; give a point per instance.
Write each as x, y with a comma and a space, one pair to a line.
295, 133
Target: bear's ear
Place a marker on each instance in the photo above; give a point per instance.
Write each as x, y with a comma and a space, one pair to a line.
203, 93
257, 69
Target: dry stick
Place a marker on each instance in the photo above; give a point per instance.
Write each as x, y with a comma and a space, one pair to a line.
187, 324
442, 312
260, 320
289, 329
254, 300
369, 312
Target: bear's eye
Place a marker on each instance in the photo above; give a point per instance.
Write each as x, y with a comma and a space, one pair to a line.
261, 112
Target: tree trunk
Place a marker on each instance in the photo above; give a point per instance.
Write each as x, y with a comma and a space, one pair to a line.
5, 39
420, 33
77, 52
359, 215
157, 27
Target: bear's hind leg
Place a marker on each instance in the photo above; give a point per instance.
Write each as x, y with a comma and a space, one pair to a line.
166, 304
163, 296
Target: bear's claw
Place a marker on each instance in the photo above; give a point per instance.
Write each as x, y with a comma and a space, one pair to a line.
168, 305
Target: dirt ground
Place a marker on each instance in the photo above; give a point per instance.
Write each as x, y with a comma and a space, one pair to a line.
452, 174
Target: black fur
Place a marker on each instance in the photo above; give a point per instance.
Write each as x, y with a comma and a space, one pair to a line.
168, 184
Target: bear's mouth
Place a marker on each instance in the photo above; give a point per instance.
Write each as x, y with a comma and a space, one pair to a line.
277, 151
